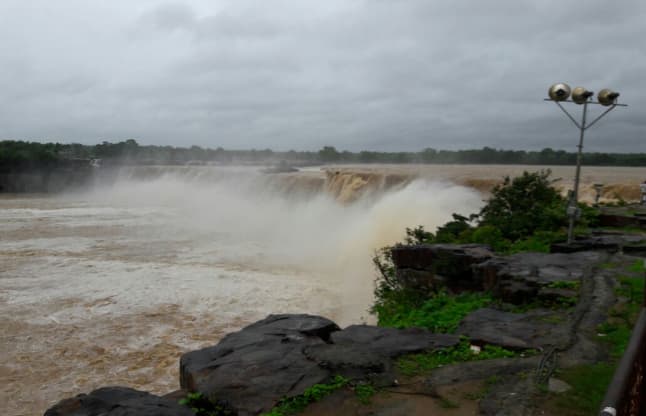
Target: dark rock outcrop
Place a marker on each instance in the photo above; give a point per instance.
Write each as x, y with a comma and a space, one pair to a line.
512, 330
118, 401
427, 266
521, 278
361, 351
282, 355
610, 243
518, 278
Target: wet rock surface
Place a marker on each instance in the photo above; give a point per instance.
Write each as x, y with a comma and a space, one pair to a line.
608, 242
118, 401
427, 266
282, 355
512, 330
519, 278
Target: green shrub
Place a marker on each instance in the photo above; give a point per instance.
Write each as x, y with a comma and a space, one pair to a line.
441, 313
523, 205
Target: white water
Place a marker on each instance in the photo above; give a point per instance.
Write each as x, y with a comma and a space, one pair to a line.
110, 286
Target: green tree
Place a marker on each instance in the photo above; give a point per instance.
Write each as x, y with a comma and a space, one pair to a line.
520, 206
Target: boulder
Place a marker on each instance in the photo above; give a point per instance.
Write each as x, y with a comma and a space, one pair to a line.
257, 366
283, 355
118, 401
427, 265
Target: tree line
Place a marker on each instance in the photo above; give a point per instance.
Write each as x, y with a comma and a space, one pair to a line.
22, 153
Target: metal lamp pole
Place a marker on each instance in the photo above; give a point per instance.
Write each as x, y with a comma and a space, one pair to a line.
560, 93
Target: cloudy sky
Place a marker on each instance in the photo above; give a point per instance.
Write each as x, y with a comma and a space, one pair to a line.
300, 74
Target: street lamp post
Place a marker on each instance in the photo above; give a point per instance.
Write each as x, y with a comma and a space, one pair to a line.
559, 93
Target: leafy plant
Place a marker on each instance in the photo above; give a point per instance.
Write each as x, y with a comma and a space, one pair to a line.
523, 205
441, 313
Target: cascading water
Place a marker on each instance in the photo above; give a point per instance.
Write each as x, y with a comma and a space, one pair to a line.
111, 285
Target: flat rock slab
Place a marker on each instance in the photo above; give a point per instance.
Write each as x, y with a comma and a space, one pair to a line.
606, 242
361, 351
118, 401
512, 330
283, 355
520, 277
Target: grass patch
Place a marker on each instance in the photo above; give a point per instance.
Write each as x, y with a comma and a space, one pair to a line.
564, 284
617, 330
637, 267
589, 384
608, 265
294, 405
447, 404
415, 364
441, 313
364, 392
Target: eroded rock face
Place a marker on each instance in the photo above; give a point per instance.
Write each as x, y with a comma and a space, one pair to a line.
519, 278
427, 266
118, 401
283, 355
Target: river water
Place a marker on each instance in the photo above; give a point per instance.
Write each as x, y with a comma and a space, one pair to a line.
111, 285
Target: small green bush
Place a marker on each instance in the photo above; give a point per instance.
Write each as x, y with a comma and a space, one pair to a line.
293, 405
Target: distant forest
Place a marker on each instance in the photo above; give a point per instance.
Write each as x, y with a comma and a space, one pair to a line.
17, 154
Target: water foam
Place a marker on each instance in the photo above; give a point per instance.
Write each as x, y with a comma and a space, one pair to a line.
317, 238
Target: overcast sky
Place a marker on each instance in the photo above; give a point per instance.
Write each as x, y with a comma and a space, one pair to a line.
300, 74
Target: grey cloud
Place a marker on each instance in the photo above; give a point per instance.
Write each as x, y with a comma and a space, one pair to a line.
366, 74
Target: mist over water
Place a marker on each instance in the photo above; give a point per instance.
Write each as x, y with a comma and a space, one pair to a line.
243, 223
111, 285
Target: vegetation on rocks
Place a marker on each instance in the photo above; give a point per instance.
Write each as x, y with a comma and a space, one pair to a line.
202, 406
440, 313
414, 364
294, 405
589, 382
525, 213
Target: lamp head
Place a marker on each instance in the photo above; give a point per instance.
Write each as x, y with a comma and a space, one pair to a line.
559, 92
607, 97
580, 95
